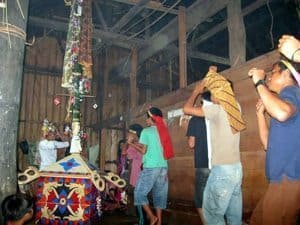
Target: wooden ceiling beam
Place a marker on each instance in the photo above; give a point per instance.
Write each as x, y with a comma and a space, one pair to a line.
100, 15
114, 38
129, 15
151, 5
206, 56
221, 26
195, 14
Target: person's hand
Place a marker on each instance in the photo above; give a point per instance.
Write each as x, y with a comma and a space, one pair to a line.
199, 87
130, 139
288, 45
260, 107
256, 74
212, 69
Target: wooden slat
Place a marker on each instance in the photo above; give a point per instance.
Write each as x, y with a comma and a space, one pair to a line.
182, 48
237, 33
133, 81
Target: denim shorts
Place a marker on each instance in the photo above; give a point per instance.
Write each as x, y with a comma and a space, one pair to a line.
201, 176
155, 179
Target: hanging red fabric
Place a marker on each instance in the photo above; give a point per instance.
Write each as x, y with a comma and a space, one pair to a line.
164, 136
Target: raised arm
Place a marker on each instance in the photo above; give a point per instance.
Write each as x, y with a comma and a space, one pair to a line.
275, 106
189, 107
262, 123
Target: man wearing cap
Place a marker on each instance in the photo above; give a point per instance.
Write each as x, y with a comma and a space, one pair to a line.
280, 99
222, 195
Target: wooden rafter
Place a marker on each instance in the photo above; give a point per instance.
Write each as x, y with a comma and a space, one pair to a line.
169, 33
100, 15
118, 39
195, 14
151, 5
221, 26
129, 15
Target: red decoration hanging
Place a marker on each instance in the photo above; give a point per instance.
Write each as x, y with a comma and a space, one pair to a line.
56, 100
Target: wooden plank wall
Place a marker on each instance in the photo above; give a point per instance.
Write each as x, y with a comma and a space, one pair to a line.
116, 101
181, 167
39, 89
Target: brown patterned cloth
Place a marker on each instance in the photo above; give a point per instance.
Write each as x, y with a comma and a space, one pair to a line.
220, 88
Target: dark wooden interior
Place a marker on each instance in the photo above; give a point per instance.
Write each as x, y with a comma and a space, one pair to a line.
136, 65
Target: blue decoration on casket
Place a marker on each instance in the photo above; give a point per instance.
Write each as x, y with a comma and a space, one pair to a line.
68, 165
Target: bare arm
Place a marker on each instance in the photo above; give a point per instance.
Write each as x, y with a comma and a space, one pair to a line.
189, 107
139, 147
275, 106
262, 124
191, 141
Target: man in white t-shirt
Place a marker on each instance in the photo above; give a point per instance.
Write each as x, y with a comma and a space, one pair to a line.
48, 149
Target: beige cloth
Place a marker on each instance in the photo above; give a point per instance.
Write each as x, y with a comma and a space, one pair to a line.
225, 144
220, 88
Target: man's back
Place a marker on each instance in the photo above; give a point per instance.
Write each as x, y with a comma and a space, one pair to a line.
225, 144
154, 154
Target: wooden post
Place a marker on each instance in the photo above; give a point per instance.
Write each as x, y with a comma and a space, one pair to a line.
11, 67
103, 132
237, 34
147, 64
182, 48
133, 88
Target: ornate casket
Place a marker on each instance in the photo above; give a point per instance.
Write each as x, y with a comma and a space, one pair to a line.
68, 191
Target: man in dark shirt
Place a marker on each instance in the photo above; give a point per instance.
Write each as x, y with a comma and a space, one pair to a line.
197, 140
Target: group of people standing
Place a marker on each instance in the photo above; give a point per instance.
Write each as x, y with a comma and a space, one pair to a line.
214, 134
279, 101
149, 171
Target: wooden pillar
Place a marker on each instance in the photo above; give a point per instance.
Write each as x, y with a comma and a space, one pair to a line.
147, 64
182, 48
103, 133
237, 34
133, 73
11, 73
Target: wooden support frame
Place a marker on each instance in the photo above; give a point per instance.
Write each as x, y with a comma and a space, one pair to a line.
237, 33
133, 74
129, 15
182, 47
151, 5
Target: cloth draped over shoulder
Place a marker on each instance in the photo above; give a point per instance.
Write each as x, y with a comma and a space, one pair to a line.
220, 88
164, 136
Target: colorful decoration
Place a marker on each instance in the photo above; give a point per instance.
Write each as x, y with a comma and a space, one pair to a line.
56, 101
66, 201
85, 50
95, 106
47, 127
69, 191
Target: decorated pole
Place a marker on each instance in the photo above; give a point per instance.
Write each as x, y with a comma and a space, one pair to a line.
77, 70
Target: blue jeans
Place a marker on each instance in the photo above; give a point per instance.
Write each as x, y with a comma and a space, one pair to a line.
223, 195
155, 179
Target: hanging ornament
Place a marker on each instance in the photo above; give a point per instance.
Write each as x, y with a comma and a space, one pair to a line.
95, 106
56, 101
72, 100
87, 85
